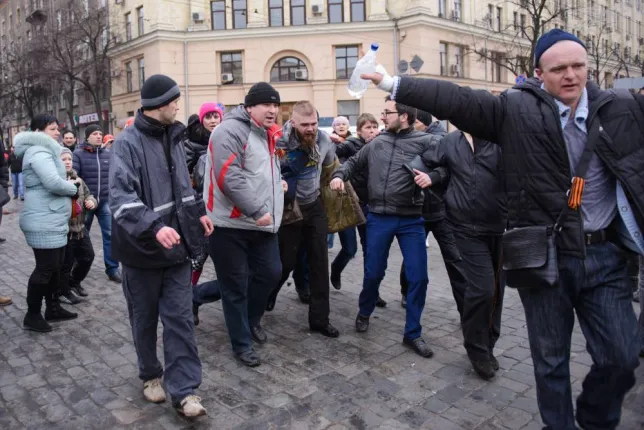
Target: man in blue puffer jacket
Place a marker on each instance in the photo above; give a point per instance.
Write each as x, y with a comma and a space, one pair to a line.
92, 163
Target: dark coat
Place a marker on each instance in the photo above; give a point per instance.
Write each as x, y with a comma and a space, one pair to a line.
150, 189
4, 168
92, 164
15, 163
392, 190
195, 142
475, 197
526, 124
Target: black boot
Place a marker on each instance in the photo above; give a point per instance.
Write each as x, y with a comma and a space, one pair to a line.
336, 278
55, 312
195, 313
35, 322
484, 368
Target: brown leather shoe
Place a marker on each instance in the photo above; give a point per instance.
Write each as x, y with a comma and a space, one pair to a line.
5, 301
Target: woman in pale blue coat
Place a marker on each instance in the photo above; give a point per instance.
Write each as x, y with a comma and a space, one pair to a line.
45, 217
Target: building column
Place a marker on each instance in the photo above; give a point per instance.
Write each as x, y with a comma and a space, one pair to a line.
377, 10
257, 13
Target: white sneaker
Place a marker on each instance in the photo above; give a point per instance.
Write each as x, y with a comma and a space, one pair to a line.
153, 390
190, 406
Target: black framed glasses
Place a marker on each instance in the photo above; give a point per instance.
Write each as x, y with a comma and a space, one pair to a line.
386, 112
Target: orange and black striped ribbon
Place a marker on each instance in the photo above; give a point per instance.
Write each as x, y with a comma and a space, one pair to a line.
576, 191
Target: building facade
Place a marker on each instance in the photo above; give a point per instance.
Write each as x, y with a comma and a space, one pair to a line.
25, 26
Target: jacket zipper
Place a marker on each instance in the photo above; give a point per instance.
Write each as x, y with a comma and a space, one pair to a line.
98, 161
272, 159
384, 192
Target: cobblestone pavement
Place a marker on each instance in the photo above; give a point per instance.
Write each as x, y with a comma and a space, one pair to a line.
83, 375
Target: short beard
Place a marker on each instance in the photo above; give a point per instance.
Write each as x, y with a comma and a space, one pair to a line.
306, 141
394, 127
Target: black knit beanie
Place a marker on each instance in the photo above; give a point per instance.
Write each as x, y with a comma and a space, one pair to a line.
158, 91
424, 117
91, 129
261, 92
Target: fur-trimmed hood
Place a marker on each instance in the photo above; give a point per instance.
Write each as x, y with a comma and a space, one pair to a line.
36, 139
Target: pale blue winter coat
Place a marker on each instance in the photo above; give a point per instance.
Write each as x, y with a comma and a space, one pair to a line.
45, 216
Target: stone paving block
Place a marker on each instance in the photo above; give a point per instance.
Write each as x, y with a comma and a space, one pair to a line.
462, 417
512, 418
451, 394
88, 367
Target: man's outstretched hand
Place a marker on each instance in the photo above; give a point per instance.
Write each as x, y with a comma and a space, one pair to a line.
380, 78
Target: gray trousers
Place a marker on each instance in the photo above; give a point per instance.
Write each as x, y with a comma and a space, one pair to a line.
165, 293
641, 288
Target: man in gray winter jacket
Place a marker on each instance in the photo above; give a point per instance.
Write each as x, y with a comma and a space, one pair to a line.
156, 226
244, 198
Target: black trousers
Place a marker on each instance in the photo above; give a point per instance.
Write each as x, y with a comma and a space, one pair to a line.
45, 279
452, 258
79, 256
485, 287
311, 232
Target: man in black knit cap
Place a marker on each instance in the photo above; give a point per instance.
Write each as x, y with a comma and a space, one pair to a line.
243, 190
158, 218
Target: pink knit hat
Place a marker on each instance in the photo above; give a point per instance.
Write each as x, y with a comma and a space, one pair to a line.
209, 107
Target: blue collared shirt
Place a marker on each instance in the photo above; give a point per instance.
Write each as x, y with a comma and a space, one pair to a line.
628, 230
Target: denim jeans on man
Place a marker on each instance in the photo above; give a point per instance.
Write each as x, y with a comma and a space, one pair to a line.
154, 293
381, 230
18, 188
104, 217
451, 257
206, 292
248, 267
599, 291
349, 241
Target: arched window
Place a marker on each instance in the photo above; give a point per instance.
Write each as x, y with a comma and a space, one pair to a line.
289, 69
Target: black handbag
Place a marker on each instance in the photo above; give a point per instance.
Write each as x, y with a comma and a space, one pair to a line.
530, 253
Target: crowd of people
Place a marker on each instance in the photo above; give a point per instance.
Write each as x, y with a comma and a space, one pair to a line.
254, 196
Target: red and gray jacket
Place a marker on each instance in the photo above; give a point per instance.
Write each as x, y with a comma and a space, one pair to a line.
243, 180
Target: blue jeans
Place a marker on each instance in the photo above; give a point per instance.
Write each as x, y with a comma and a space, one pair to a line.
206, 292
18, 189
104, 216
349, 241
598, 290
248, 268
329, 239
410, 232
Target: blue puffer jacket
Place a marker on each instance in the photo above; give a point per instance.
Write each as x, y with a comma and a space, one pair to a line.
45, 217
87, 159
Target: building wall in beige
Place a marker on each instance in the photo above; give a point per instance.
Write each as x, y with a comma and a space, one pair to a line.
306, 48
